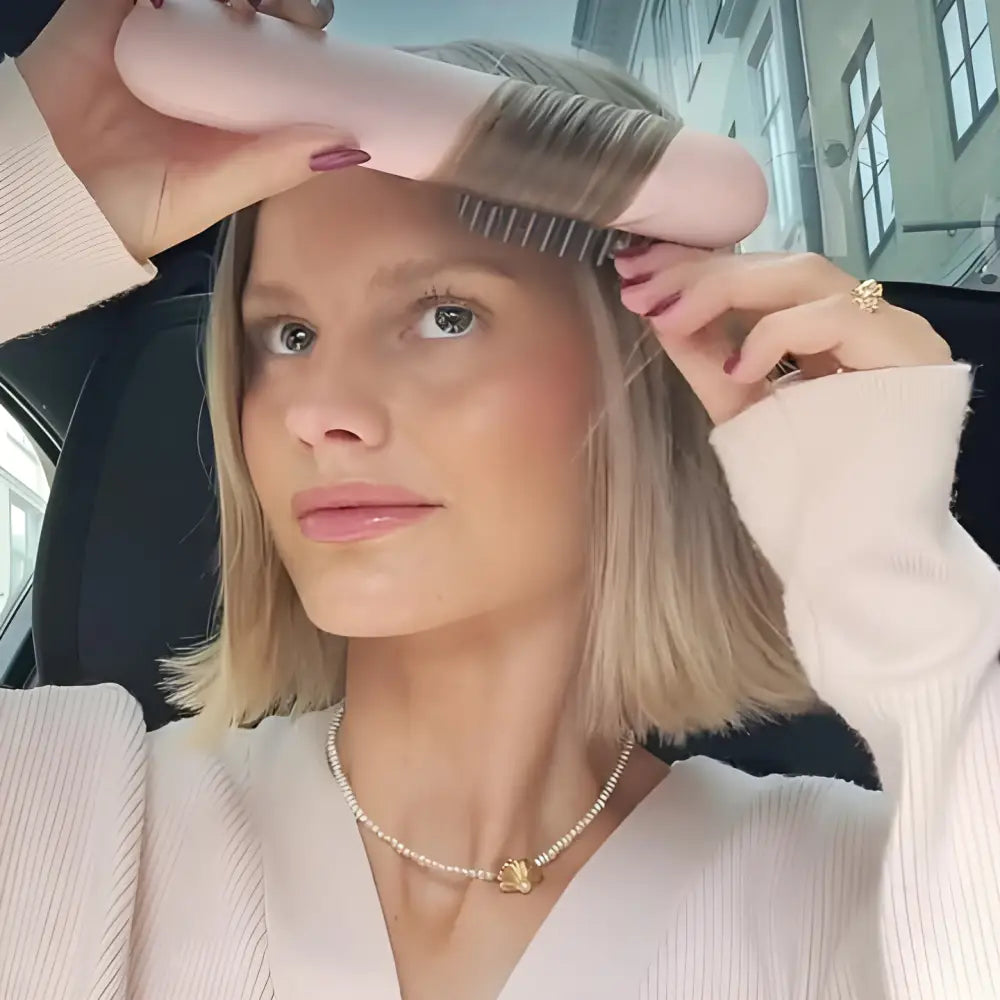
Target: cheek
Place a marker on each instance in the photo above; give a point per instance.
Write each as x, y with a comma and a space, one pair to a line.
263, 447
540, 419
550, 400
522, 430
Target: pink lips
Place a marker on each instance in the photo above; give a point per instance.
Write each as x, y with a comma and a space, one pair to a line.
355, 511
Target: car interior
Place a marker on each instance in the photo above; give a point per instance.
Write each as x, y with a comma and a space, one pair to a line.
125, 563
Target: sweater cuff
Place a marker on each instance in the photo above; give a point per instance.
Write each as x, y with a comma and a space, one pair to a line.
821, 467
58, 253
845, 483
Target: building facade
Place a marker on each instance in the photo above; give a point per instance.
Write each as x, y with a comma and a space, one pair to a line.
876, 121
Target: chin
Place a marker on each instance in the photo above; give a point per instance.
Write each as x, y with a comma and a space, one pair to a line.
360, 615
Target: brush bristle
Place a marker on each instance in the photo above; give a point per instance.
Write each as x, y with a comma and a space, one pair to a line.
546, 233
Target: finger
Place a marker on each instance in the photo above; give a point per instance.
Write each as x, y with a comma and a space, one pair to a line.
755, 284
812, 333
651, 282
830, 333
244, 7
699, 358
655, 257
309, 13
236, 170
651, 279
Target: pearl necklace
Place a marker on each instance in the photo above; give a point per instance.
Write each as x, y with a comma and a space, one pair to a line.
515, 874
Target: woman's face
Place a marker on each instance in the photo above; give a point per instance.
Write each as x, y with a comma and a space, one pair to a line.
389, 349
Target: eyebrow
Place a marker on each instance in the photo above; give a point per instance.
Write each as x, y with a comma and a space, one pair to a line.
405, 272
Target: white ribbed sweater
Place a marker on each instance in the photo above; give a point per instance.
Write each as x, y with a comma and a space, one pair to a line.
132, 868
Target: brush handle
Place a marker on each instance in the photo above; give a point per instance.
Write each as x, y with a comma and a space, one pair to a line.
205, 63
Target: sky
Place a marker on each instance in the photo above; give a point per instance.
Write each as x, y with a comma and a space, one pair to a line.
545, 24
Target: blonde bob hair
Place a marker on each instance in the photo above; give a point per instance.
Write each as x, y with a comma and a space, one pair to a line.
685, 625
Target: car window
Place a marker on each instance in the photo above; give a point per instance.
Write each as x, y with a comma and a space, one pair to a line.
875, 121
25, 479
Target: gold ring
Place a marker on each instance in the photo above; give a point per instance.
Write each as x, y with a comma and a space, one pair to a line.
867, 296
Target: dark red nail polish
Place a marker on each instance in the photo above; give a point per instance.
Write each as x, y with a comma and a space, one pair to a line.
731, 362
338, 157
663, 305
633, 251
157, 4
639, 279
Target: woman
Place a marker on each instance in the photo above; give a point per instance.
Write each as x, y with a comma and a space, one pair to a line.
552, 563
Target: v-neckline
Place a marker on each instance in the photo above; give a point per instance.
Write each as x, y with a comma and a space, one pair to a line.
327, 933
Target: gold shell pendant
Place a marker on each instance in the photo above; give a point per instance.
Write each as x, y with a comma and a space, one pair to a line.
519, 875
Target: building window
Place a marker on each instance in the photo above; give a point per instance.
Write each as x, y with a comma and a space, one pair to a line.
874, 179
661, 51
650, 60
687, 26
967, 53
776, 127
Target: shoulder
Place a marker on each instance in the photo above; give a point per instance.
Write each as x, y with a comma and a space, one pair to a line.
199, 795
795, 837
797, 859
72, 774
66, 745
809, 850
180, 766
198, 792
815, 813
202, 887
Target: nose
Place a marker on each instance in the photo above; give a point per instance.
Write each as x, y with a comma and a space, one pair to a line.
329, 410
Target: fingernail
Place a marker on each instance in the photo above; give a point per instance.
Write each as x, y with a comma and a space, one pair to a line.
157, 4
337, 157
663, 305
731, 362
633, 251
256, 4
639, 279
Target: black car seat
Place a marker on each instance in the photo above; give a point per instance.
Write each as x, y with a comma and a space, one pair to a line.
126, 568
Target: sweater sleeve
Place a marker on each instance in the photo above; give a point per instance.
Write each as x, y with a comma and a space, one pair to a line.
58, 253
72, 793
845, 484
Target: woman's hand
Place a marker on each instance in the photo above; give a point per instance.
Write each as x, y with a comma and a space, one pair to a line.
793, 304
158, 180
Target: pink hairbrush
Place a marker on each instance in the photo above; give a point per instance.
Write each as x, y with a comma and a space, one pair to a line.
204, 63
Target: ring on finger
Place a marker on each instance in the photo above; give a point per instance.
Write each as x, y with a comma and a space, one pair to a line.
867, 295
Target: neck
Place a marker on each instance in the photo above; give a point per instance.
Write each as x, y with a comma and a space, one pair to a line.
465, 743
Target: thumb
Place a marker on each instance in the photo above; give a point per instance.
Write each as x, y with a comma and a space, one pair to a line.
235, 171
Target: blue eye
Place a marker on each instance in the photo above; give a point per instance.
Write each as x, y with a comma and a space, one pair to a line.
444, 320
288, 338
